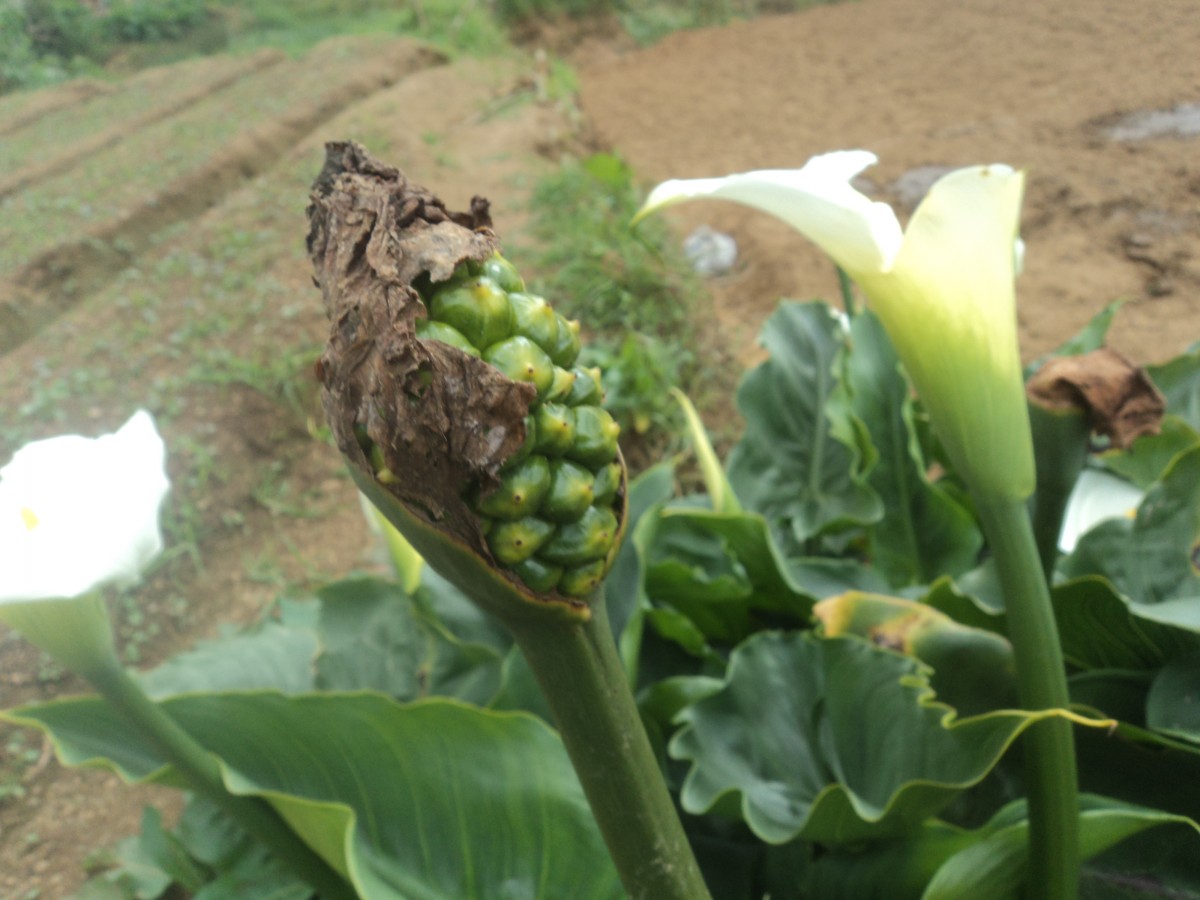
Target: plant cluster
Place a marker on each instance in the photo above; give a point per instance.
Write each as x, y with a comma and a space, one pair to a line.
646, 21
46, 41
823, 658
44, 37
744, 648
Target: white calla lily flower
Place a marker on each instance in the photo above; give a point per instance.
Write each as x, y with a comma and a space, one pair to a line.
77, 514
1097, 497
943, 289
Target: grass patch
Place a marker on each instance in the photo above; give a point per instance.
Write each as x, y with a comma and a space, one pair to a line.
44, 42
647, 21
296, 25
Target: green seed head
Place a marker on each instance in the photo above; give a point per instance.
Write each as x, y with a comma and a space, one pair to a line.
551, 520
456, 397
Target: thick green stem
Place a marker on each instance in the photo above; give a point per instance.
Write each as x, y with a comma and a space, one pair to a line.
202, 774
1042, 684
580, 672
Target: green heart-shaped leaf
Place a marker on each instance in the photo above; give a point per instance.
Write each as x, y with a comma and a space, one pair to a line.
833, 740
434, 799
791, 465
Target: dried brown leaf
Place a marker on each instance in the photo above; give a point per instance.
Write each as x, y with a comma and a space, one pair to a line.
1118, 397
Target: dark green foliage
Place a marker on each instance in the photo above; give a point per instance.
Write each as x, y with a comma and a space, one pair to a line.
62, 28
147, 21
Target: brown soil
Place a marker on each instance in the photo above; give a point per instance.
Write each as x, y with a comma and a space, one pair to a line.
935, 83
924, 83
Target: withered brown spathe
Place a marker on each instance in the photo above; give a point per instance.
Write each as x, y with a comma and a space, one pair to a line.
372, 235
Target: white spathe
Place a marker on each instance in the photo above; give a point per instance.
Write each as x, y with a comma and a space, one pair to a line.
79, 513
817, 200
943, 288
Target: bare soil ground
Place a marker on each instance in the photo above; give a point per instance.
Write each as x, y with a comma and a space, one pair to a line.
928, 84
210, 320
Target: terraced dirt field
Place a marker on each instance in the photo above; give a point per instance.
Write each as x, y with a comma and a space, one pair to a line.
151, 255
197, 303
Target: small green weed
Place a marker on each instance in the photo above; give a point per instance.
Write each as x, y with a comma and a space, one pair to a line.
611, 275
639, 373
16, 760
632, 287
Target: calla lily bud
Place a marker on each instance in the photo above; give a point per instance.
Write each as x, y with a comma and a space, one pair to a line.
454, 394
78, 514
943, 289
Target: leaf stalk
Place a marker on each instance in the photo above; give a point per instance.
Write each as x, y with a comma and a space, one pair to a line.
580, 672
1041, 682
202, 774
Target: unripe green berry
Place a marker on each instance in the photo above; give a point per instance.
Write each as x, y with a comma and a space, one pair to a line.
561, 387
555, 428
504, 273
429, 330
566, 345
584, 541
515, 542
534, 318
477, 308
606, 484
596, 435
578, 581
537, 575
570, 491
521, 491
587, 388
521, 359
